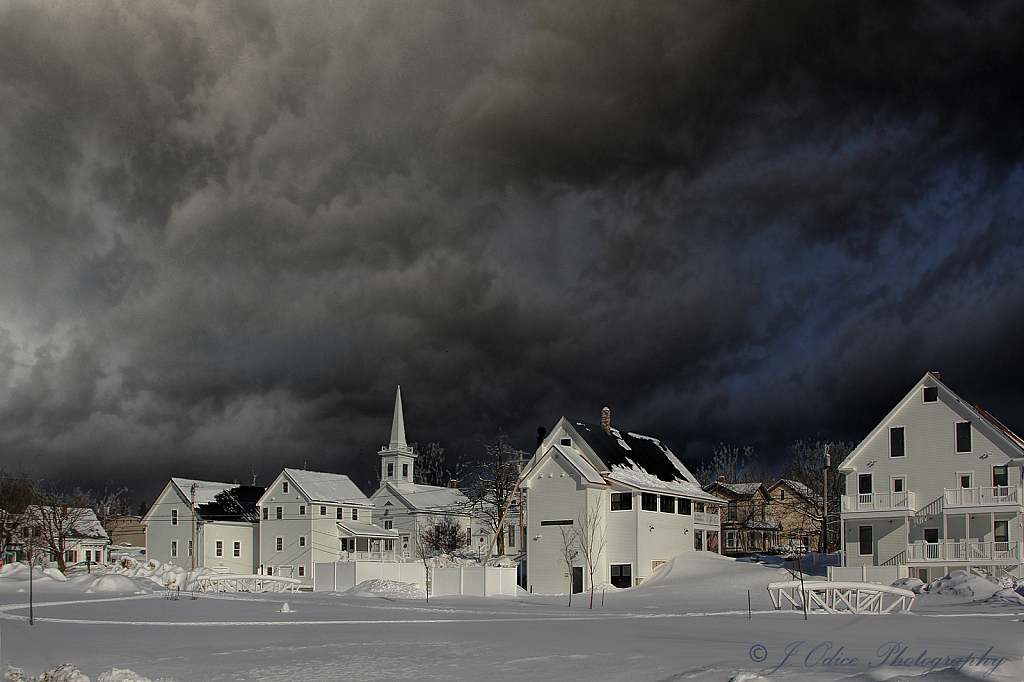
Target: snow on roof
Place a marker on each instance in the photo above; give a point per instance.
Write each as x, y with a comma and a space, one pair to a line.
634, 477
206, 491
743, 489
86, 525
431, 497
323, 487
356, 529
580, 463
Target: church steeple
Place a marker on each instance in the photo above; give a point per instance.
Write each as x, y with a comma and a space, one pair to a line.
397, 459
398, 425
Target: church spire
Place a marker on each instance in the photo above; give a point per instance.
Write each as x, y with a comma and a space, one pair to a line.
398, 425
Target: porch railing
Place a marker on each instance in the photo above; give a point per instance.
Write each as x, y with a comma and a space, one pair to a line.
981, 497
968, 551
706, 518
903, 501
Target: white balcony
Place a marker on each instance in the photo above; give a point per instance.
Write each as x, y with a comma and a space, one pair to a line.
966, 551
997, 496
879, 502
706, 518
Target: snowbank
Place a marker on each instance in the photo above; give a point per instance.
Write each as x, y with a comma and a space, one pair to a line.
450, 560
165, 575
388, 589
956, 584
69, 673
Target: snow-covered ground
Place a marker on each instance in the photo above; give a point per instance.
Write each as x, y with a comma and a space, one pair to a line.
687, 622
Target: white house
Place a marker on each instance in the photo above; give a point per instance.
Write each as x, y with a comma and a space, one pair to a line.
408, 507
309, 516
76, 529
930, 489
647, 506
221, 519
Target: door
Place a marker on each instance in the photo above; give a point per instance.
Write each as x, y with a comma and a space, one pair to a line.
577, 579
931, 543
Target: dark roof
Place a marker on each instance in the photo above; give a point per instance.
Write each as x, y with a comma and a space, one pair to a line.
240, 503
645, 452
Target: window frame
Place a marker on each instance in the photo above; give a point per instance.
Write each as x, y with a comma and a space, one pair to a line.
280, 513
963, 438
1005, 476
684, 506
666, 504
236, 549
622, 501
870, 538
279, 544
284, 487
302, 510
323, 510
1005, 534
218, 548
174, 548
901, 451
930, 394
302, 541
648, 502
174, 517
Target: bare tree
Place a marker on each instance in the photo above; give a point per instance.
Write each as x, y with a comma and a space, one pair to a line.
111, 507
17, 492
570, 550
494, 486
806, 467
732, 464
590, 540
434, 467
60, 518
443, 536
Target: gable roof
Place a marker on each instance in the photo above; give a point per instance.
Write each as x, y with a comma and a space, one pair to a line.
318, 486
995, 431
205, 491
85, 525
738, 491
798, 488
430, 498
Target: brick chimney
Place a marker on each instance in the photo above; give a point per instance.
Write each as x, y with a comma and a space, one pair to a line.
606, 420
453, 483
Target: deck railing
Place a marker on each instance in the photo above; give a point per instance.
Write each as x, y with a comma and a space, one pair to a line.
968, 551
707, 518
981, 497
903, 501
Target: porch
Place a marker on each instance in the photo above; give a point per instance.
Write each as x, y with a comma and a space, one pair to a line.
964, 551
880, 502
996, 496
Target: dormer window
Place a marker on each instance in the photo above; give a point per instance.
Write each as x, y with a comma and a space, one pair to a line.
566, 442
931, 394
284, 486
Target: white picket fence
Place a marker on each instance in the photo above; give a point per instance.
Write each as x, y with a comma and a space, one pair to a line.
339, 576
477, 581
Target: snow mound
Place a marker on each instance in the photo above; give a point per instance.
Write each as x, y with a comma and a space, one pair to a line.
451, 560
165, 575
20, 572
963, 584
110, 582
62, 673
1005, 596
915, 585
388, 589
747, 677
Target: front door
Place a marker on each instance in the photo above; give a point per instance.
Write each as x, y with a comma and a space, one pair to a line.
577, 579
931, 540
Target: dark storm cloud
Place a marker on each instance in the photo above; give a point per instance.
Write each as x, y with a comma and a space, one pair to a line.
229, 230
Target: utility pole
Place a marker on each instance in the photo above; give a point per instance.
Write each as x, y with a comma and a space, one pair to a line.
824, 515
192, 547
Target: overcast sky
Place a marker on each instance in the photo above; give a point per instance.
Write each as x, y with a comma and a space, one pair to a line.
228, 231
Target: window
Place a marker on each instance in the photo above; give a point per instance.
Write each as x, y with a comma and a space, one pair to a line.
341, 513
280, 512
864, 484
898, 485
238, 549
469, 534
730, 538
190, 548
1000, 476
897, 446
302, 510
174, 548
1001, 532
219, 551
648, 502
389, 524
391, 469
280, 544
963, 480
698, 506
302, 571
683, 506
560, 522
622, 575
963, 437
323, 510
302, 541
174, 517
284, 486
866, 543
389, 545
355, 514
668, 504
931, 535
270, 570
344, 544
931, 394
405, 471
733, 512
782, 494
622, 501
266, 513
511, 540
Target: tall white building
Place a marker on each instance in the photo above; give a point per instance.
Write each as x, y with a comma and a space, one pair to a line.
934, 488
646, 505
